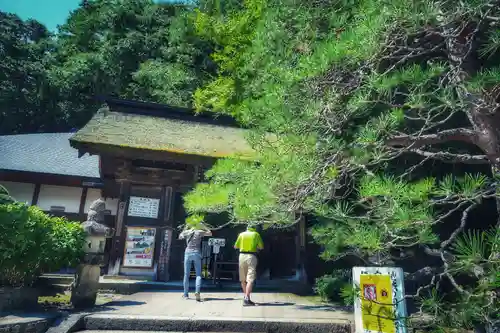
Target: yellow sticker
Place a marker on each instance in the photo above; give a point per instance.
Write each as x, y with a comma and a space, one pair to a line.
377, 309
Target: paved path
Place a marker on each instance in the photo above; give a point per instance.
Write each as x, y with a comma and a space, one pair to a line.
226, 305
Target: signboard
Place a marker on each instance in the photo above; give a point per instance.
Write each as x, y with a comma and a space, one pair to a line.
380, 306
143, 207
217, 241
139, 247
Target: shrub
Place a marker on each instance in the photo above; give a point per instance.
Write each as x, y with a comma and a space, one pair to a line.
335, 287
32, 243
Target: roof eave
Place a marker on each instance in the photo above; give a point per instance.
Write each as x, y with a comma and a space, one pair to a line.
94, 148
78, 146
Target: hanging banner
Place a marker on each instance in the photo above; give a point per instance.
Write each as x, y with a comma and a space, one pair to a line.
380, 305
139, 247
143, 207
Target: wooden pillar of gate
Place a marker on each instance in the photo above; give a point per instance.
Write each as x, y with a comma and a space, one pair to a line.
167, 233
118, 238
301, 274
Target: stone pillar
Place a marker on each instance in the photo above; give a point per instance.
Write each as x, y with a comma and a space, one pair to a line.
85, 286
86, 283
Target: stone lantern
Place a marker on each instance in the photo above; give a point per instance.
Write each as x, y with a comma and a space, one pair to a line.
86, 283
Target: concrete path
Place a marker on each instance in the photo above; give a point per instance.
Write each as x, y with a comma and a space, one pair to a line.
227, 305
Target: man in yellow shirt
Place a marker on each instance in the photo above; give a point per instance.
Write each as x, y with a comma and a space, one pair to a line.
248, 243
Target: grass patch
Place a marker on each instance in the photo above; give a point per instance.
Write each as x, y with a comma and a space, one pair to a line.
62, 299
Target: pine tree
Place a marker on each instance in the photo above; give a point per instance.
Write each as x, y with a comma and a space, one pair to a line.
385, 122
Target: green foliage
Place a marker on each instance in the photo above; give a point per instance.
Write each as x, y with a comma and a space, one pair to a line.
33, 243
369, 107
22, 74
476, 256
492, 44
194, 221
5, 197
132, 49
164, 82
348, 293
334, 287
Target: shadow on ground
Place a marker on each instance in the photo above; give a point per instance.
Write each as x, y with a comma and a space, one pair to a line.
124, 303
114, 305
324, 307
275, 304
208, 299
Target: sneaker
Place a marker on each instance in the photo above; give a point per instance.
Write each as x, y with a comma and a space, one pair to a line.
185, 296
198, 297
248, 302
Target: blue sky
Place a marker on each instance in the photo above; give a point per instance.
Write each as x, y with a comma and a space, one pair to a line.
49, 12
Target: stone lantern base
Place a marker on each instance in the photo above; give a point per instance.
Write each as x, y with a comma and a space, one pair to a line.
85, 286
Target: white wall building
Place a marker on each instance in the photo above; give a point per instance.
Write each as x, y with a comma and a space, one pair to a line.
43, 169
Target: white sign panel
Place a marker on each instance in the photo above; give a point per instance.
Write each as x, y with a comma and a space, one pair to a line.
143, 207
139, 247
380, 306
219, 242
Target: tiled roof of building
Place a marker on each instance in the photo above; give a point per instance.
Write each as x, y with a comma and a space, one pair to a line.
45, 153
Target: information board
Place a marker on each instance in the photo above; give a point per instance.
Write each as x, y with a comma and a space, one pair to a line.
217, 242
139, 247
143, 207
380, 305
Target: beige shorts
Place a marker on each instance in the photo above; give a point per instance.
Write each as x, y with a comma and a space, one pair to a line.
248, 267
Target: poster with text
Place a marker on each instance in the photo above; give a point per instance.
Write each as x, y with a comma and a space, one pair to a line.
380, 304
139, 247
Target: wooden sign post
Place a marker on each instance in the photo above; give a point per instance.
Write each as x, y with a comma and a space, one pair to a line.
216, 244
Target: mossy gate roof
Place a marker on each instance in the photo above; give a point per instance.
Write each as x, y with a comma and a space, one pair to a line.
164, 134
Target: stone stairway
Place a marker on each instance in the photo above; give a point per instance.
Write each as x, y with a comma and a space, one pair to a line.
166, 311
58, 283
111, 323
150, 332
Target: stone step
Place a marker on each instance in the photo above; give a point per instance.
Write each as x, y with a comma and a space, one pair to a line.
53, 279
56, 288
142, 323
23, 323
151, 332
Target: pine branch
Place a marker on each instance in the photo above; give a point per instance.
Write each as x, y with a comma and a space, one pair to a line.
463, 222
414, 142
453, 158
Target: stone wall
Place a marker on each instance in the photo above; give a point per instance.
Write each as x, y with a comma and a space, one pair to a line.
17, 298
26, 326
